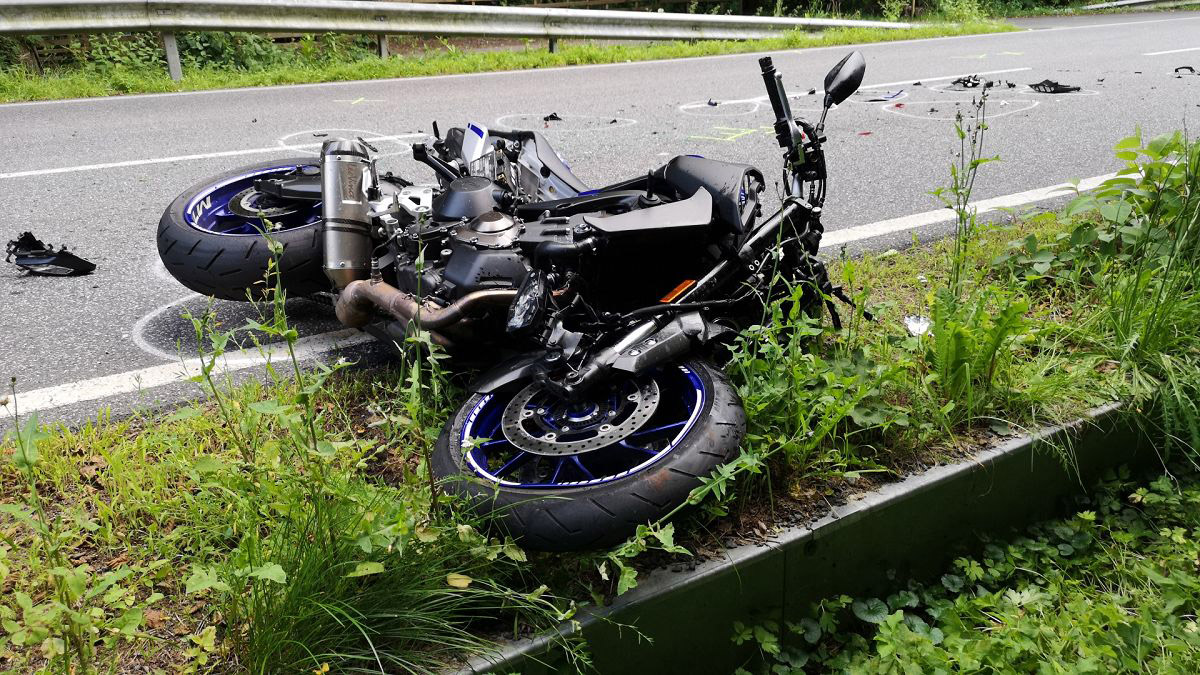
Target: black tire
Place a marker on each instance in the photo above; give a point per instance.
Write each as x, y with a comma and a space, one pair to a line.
603, 515
231, 266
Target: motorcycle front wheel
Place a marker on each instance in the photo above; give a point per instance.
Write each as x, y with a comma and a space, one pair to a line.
212, 238
563, 475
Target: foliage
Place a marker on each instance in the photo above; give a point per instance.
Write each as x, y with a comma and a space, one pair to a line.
1111, 589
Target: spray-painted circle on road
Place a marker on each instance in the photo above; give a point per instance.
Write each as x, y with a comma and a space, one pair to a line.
166, 333
309, 141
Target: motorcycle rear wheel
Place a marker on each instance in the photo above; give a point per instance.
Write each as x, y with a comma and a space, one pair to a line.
591, 496
211, 238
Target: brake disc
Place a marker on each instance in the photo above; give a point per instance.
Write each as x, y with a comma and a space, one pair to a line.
535, 422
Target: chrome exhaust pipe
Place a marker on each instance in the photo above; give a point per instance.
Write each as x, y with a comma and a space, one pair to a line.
347, 177
358, 301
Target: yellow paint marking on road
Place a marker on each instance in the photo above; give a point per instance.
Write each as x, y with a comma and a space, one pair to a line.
727, 134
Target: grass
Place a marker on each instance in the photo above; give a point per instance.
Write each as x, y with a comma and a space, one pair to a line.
20, 85
1114, 588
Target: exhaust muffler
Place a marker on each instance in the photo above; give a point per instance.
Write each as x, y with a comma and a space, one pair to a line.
347, 181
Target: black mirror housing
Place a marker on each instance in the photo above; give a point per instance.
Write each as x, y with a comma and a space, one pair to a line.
844, 79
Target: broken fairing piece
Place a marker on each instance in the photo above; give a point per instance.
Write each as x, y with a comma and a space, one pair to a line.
917, 325
1052, 87
1185, 69
31, 255
552, 117
713, 103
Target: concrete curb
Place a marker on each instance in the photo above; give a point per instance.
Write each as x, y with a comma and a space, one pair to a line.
905, 529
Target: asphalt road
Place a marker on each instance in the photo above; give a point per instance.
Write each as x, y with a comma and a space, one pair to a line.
57, 178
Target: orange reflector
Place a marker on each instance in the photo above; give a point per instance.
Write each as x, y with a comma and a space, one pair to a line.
678, 290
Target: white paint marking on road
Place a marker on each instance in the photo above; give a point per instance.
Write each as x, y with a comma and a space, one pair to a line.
309, 347
1173, 51
174, 373
137, 334
179, 158
422, 78
945, 215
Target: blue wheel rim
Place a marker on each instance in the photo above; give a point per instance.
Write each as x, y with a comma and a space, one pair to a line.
232, 207
489, 455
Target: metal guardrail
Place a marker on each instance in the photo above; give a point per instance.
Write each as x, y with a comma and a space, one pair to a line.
357, 16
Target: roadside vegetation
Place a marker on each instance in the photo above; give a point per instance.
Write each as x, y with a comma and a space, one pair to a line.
110, 65
1113, 588
292, 525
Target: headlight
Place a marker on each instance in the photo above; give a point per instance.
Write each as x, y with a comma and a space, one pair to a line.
528, 308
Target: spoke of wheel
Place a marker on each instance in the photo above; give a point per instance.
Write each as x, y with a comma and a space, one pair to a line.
648, 451
662, 428
495, 442
557, 470
512, 464
582, 467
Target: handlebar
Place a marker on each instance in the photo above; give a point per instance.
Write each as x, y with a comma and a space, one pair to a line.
775, 90
785, 128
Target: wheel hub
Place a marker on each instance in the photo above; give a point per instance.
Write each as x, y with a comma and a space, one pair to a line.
536, 421
251, 203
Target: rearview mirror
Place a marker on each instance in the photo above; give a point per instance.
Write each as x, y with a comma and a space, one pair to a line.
844, 79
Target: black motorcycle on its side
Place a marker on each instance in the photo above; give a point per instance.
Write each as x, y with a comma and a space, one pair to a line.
600, 307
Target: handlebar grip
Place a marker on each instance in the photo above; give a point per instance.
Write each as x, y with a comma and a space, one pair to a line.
775, 91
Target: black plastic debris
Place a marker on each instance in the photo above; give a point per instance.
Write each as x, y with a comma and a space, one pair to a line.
967, 81
1185, 69
1052, 87
31, 255
552, 117
612, 121
714, 103
916, 84
812, 92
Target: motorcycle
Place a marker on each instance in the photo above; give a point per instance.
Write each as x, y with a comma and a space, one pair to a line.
609, 304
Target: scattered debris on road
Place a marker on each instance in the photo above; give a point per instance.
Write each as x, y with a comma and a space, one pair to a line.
30, 254
812, 92
864, 133
1052, 87
917, 325
898, 106
553, 117
319, 134
714, 103
916, 84
967, 81
1185, 69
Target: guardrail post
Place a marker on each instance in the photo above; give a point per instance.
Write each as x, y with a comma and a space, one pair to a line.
381, 41
553, 45
172, 50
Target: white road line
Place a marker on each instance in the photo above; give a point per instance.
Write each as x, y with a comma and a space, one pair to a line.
421, 78
181, 158
919, 220
174, 373
315, 345
1173, 51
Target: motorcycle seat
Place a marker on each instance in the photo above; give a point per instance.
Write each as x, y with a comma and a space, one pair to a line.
733, 187
693, 212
